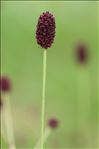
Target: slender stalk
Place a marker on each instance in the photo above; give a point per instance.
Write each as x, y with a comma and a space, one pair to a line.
43, 97
47, 132
8, 122
98, 74
3, 135
84, 105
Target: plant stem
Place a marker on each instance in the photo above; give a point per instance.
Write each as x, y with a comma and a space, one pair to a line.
8, 122
47, 132
43, 97
84, 105
3, 136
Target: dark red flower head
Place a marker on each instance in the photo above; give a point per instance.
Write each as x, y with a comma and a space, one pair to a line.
5, 84
82, 52
53, 123
45, 31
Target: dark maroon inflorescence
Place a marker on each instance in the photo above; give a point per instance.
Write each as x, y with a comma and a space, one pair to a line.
82, 52
45, 31
53, 123
5, 84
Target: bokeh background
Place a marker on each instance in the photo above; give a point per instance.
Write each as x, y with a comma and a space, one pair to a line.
72, 88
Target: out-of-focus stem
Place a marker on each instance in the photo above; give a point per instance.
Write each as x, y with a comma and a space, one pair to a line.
2, 126
3, 135
7, 116
47, 133
83, 76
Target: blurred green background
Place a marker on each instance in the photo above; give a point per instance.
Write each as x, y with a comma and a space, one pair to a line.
71, 91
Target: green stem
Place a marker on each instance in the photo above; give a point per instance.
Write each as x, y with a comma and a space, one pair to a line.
43, 97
